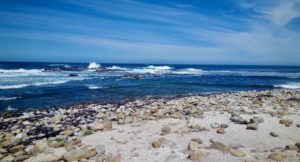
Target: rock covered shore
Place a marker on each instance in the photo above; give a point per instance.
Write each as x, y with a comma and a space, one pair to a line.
243, 126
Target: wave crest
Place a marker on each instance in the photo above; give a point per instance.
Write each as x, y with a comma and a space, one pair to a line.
293, 85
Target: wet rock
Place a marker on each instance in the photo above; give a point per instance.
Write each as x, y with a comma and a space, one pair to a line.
78, 154
276, 156
195, 155
73, 75
237, 153
165, 130
158, 142
274, 134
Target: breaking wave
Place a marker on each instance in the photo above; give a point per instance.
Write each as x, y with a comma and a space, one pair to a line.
94, 87
8, 98
21, 72
289, 85
94, 65
190, 71
117, 68
17, 86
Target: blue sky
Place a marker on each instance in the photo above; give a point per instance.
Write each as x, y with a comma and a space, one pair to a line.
138, 31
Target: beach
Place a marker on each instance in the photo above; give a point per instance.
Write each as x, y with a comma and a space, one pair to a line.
248, 126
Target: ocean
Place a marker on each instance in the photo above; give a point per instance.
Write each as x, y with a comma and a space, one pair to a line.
28, 86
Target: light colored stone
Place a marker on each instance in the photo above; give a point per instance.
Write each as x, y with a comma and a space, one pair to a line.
107, 124
192, 145
221, 130
8, 158
196, 155
220, 146
43, 158
165, 130
237, 153
286, 121
252, 126
79, 153
198, 140
276, 156
158, 142
16, 148
41, 146
100, 149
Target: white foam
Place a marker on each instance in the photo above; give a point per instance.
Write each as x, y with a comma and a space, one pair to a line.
17, 86
21, 72
93, 87
11, 109
116, 68
93, 66
151, 70
8, 98
159, 67
189, 71
254, 73
292, 85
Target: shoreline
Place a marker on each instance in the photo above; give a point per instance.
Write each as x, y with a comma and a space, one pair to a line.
55, 133
126, 100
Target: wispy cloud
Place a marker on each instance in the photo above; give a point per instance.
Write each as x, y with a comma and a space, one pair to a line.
160, 31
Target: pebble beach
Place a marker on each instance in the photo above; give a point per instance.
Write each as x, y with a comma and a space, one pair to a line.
250, 126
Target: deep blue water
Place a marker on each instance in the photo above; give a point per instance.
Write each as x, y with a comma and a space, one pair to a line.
26, 86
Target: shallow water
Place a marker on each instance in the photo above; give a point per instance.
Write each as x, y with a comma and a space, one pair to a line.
44, 85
